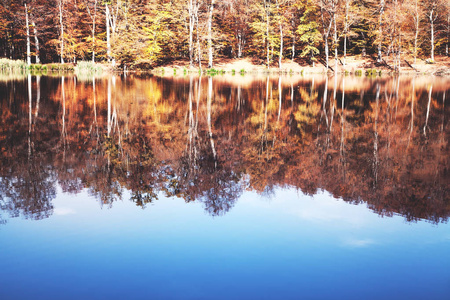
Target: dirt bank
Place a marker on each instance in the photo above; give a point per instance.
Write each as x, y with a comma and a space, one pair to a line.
353, 64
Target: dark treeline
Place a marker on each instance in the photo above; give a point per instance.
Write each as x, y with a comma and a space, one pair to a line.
383, 142
146, 33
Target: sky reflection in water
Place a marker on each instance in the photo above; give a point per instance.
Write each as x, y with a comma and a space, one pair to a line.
288, 246
245, 193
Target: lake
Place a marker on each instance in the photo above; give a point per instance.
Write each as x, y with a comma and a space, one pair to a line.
224, 187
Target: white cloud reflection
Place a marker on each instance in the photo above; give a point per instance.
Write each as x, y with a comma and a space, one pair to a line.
63, 211
358, 243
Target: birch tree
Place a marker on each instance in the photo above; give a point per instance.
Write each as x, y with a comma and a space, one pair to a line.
28, 35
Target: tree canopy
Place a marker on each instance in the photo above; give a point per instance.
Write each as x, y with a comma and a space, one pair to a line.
145, 33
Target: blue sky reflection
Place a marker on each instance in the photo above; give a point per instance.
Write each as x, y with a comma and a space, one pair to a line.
286, 246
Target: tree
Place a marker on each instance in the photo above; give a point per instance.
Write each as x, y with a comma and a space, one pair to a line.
308, 29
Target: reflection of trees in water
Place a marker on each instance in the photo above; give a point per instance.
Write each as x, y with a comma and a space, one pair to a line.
363, 144
29, 192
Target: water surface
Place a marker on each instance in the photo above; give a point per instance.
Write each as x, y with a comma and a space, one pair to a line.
230, 187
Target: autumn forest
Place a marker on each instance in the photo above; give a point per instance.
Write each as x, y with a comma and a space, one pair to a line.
143, 34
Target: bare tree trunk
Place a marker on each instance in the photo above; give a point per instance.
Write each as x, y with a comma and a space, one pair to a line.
93, 17
239, 45
28, 35
191, 32
199, 50
62, 31
293, 48
432, 33
416, 27
36, 43
267, 6
281, 47
108, 34
335, 45
210, 49
326, 34
380, 30
347, 5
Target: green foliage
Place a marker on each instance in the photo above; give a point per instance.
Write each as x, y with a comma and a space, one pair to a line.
308, 29
213, 72
158, 32
372, 72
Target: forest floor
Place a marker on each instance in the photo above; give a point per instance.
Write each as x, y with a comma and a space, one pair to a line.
354, 64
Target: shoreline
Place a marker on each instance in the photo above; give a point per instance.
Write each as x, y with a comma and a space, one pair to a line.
354, 65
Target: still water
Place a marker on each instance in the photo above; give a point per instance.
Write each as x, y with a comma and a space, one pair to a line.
230, 187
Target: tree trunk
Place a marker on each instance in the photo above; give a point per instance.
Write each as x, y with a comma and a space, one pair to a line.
93, 31
239, 45
326, 34
191, 32
347, 4
199, 50
28, 36
210, 50
36, 42
108, 34
281, 47
335, 45
293, 48
432, 34
62, 30
416, 27
380, 30
267, 5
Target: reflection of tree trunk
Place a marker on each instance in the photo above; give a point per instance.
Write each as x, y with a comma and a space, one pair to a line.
279, 97
342, 148
266, 104
292, 94
375, 142
38, 97
108, 118
95, 108
239, 96
209, 117
325, 96
29, 115
334, 103
428, 111
193, 123
411, 123
114, 119
63, 96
